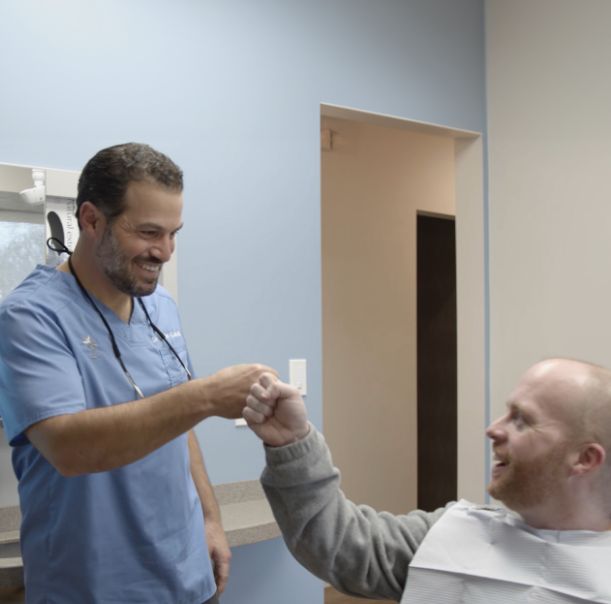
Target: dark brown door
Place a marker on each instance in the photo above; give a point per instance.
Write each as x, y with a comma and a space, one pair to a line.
437, 437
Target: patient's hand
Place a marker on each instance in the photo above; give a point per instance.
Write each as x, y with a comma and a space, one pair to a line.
275, 412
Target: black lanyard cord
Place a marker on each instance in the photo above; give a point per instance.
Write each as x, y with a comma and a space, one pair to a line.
113, 341
163, 337
56, 245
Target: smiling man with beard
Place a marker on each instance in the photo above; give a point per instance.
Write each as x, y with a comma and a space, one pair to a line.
98, 403
552, 469
556, 430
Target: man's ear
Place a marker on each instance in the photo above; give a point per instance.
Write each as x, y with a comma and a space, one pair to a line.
590, 456
90, 218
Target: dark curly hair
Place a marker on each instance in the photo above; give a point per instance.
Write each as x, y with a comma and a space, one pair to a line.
107, 174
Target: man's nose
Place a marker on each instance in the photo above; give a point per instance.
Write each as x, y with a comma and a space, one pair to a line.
163, 248
495, 430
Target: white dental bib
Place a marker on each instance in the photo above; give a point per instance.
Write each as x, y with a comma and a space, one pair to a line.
482, 555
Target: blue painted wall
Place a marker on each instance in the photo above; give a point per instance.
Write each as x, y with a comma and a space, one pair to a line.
231, 89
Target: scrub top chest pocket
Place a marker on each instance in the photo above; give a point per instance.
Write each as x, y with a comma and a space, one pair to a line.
175, 370
169, 343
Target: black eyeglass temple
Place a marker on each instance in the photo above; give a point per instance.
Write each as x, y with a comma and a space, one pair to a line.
56, 245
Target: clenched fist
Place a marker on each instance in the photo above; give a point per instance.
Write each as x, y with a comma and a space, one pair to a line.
226, 390
275, 412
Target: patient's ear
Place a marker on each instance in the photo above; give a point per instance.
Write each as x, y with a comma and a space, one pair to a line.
589, 457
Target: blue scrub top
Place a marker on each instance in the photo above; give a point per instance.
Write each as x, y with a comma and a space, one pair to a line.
133, 534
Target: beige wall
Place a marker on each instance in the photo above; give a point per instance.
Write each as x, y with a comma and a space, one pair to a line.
471, 319
549, 111
373, 183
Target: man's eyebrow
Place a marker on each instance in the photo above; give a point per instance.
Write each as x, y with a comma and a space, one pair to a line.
511, 405
158, 227
516, 407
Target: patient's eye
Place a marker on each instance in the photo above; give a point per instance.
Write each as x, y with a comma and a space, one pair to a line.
518, 418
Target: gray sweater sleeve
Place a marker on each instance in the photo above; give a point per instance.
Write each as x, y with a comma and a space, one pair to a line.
353, 547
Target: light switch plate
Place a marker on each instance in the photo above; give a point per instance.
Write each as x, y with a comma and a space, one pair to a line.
298, 375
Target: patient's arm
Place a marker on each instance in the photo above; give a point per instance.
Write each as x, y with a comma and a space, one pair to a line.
355, 548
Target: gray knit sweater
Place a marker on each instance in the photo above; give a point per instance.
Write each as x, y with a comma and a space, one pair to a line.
358, 550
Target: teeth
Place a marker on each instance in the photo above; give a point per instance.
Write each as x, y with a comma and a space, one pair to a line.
154, 268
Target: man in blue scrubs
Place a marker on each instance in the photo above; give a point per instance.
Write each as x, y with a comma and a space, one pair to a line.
98, 403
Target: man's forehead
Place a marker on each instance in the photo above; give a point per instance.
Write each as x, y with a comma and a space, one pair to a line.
132, 220
152, 202
552, 388
560, 369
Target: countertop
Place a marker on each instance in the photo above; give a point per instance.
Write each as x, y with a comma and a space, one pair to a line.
247, 518
246, 515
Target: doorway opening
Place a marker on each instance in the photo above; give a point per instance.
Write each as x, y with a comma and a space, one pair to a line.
378, 173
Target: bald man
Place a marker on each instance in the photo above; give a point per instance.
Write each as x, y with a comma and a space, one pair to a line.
552, 470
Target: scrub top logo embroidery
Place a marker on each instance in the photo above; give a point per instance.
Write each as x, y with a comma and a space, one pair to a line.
91, 345
169, 335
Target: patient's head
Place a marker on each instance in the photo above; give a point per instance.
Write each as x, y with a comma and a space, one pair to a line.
553, 446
